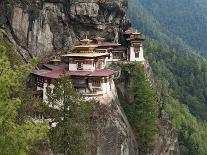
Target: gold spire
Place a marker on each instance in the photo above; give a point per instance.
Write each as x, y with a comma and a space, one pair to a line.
55, 60
85, 41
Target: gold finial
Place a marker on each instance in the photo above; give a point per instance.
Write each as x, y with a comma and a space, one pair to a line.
87, 34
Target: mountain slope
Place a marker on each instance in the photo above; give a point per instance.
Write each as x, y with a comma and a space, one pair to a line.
179, 73
184, 66
186, 19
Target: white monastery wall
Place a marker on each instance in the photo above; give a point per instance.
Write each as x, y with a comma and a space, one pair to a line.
73, 67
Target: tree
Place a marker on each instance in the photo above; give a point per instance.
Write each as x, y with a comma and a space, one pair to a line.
15, 138
144, 109
74, 112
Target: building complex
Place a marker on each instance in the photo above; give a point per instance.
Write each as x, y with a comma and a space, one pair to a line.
86, 64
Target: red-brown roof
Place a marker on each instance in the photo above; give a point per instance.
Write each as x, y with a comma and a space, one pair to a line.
101, 73
54, 74
108, 44
79, 73
121, 48
61, 66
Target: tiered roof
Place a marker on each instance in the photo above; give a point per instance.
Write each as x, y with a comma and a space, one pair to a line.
56, 74
119, 49
86, 49
61, 66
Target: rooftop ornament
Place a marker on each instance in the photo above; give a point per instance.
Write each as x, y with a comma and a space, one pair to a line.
55, 60
86, 41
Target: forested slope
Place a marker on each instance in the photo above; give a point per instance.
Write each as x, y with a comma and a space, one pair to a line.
181, 84
180, 74
186, 19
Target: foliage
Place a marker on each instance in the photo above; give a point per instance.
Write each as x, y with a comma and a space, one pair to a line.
150, 26
181, 84
180, 75
15, 138
69, 137
12, 55
142, 112
174, 21
181, 19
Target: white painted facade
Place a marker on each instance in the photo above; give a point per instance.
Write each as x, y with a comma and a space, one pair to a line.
132, 56
86, 67
104, 87
73, 67
45, 98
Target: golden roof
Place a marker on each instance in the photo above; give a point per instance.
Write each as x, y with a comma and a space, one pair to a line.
55, 60
85, 41
87, 55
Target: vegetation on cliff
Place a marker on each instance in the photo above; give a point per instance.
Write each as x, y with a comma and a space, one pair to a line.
21, 135
179, 74
142, 110
184, 19
17, 135
73, 117
181, 84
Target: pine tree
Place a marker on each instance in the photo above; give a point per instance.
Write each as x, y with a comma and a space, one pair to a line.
142, 112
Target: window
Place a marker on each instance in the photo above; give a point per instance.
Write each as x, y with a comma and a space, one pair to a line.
99, 64
80, 65
40, 82
136, 50
96, 83
117, 55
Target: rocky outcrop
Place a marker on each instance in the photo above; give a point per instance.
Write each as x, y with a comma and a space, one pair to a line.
167, 139
113, 135
42, 27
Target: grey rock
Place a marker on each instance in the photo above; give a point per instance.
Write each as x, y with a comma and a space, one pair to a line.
45, 27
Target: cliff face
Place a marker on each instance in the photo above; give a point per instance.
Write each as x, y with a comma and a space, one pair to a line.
40, 27
166, 142
113, 135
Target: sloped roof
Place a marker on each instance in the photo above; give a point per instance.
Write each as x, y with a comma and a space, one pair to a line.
120, 49
54, 74
101, 73
61, 66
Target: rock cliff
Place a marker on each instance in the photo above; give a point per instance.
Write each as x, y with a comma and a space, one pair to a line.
41, 27
113, 135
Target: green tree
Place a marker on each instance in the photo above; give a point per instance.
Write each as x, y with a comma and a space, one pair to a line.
145, 116
15, 138
74, 112
142, 111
